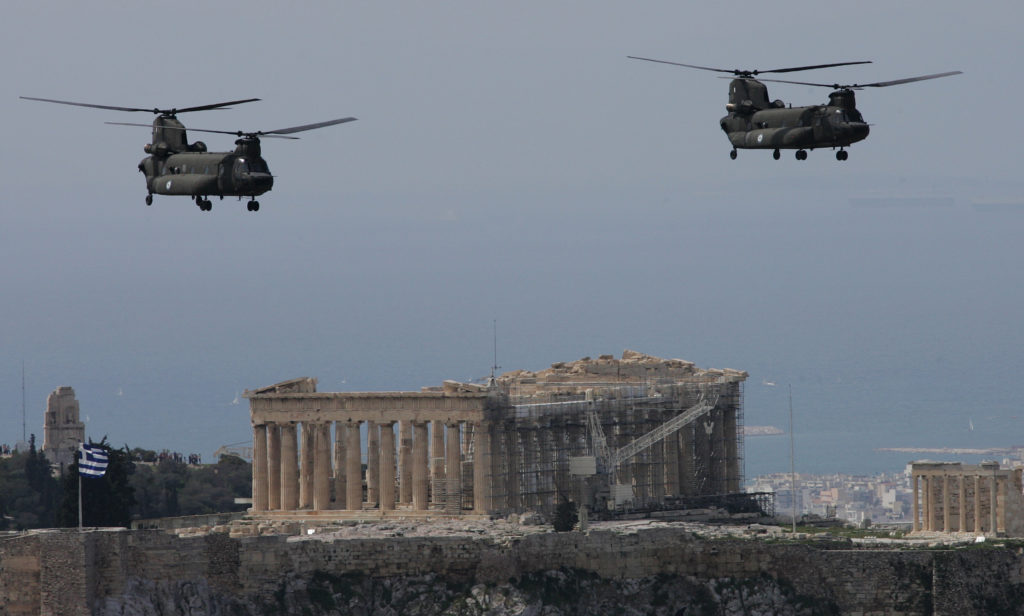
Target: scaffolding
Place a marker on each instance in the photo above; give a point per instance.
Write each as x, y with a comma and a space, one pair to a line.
647, 444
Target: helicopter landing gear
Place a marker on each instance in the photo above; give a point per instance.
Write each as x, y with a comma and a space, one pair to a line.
205, 205
776, 154
732, 154
801, 154
149, 199
253, 206
842, 155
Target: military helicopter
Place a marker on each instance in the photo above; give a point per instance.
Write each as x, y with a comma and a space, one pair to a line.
754, 122
176, 167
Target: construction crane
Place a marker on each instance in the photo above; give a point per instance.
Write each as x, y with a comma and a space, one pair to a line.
605, 461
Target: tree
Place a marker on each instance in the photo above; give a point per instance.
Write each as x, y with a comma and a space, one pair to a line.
28, 492
565, 516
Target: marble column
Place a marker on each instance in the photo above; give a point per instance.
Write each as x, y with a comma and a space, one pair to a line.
420, 465
453, 463
387, 465
306, 451
977, 504
405, 479
322, 466
289, 468
1002, 502
993, 508
274, 466
961, 502
340, 485
372, 463
437, 458
945, 503
353, 468
917, 507
481, 460
259, 468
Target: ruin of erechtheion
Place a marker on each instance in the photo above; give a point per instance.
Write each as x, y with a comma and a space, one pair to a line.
982, 499
635, 431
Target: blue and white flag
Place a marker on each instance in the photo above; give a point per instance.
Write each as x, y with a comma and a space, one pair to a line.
92, 461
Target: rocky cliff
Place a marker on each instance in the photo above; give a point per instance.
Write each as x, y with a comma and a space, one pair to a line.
665, 570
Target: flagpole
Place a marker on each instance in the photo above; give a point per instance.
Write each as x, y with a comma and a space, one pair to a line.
79, 500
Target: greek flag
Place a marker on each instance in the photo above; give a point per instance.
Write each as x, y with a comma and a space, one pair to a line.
92, 461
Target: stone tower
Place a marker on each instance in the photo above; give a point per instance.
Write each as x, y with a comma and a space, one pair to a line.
62, 430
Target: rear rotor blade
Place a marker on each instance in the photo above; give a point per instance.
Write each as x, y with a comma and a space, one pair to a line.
896, 82
877, 84
305, 127
743, 73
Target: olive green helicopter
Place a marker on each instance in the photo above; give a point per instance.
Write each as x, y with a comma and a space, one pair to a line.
755, 122
176, 167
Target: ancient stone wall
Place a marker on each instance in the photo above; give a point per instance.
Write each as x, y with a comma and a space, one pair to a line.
128, 572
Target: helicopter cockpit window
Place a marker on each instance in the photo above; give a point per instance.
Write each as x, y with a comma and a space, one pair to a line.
258, 166
241, 166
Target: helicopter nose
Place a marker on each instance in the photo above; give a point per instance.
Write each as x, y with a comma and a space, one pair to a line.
858, 131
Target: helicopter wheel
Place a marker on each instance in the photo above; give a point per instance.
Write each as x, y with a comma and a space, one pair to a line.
842, 155
801, 154
253, 206
149, 199
777, 154
732, 154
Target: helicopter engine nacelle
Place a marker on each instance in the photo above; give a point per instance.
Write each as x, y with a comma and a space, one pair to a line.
159, 149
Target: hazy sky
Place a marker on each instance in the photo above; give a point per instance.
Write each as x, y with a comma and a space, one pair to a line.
509, 163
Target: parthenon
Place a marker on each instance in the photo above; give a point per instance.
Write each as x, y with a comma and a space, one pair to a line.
629, 432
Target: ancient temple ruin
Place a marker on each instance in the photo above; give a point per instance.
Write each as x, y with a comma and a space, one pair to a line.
610, 433
982, 499
62, 430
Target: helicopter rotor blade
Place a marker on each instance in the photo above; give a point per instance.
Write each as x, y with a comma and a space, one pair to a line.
743, 73
155, 110
810, 68
877, 84
896, 82
703, 68
304, 127
236, 133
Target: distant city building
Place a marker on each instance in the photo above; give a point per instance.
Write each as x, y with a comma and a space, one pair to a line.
62, 429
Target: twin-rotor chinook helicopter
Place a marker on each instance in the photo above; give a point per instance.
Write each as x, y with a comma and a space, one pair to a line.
176, 167
754, 122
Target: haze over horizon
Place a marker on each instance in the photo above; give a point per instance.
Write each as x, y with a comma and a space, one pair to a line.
511, 164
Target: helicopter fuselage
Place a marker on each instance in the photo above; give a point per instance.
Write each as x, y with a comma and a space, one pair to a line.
817, 126
177, 167
224, 174
755, 123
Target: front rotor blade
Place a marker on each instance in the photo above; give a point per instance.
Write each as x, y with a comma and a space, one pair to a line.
810, 68
703, 68
305, 127
152, 110
216, 105
133, 124
111, 107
